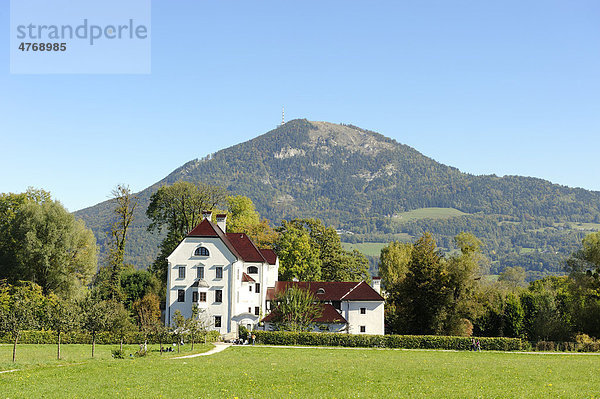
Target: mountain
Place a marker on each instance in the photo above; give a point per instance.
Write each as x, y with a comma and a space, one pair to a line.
376, 189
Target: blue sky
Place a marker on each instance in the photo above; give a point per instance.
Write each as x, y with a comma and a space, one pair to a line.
507, 87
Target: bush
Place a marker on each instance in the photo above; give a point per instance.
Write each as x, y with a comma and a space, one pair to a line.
118, 354
546, 346
385, 341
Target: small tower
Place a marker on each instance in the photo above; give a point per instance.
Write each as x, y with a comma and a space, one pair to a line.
282, 116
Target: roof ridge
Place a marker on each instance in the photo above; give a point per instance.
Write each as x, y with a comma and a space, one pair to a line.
352, 289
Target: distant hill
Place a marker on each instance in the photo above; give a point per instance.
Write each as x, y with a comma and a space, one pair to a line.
375, 189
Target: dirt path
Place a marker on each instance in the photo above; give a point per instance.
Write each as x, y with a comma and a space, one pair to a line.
219, 347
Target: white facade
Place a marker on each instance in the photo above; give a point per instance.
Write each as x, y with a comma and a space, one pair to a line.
221, 274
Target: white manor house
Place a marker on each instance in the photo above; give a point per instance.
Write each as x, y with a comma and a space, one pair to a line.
233, 281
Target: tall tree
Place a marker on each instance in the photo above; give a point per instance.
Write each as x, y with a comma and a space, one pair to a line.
178, 209
42, 242
302, 241
125, 203
243, 218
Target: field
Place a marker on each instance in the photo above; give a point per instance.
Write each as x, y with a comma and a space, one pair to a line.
265, 372
428, 213
367, 248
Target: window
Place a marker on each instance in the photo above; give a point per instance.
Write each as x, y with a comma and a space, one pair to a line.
203, 297
180, 295
363, 310
217, 321
321, 291
256, 310
200, 272
195, 296
201, 251
363, 328
250, 288
253, 270
219, 296
181, 271
219, 272
249, 309
257, 288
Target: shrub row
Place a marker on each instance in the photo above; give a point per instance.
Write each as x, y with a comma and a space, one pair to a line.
386, 341
50, 337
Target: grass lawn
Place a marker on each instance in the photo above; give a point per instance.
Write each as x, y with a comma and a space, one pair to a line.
263, 372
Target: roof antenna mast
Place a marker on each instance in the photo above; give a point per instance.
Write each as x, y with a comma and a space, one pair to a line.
282, 116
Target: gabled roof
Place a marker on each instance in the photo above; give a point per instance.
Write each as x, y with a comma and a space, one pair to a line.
206, 228
329, 315
246, 247
247, 279
269, 255
330, 290
240, 245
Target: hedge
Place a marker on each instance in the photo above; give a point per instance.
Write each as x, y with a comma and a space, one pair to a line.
386, 341
50, 337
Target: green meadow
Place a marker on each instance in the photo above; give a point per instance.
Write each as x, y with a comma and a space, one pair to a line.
265, 372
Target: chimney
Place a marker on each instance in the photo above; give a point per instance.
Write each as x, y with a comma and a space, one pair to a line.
222, 221
376, 284
206, 215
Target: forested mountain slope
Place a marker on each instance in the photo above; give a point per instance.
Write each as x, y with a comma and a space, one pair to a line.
363, 182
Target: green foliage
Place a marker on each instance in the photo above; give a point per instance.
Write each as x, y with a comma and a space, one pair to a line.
41, 241
310, 251
135, 284
118, 353
385, 341
296, 309
513, 276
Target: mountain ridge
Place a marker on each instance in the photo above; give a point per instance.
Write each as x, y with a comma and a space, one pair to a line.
357, 180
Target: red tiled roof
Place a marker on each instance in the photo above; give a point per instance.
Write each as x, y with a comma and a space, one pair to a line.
245, 247
247, 279
329, 315
269, 255
330, 291
206, 228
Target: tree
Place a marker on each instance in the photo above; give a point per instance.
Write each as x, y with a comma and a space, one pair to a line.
393, 263
147, 313
296, 309
243, 218
22, 309
42, 242
298, 259
118, 320
179, 327
425, 288
95, 317
315, 252
125, 204
178, 209
63, 317
136, 284
198, 323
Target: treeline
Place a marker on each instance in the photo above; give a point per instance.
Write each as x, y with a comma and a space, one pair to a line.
428, 293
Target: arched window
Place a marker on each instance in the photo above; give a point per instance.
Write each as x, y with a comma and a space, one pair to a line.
321, 291
201, 251
252, 270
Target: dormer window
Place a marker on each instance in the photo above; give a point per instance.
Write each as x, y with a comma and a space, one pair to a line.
252, 270
201, 251
321, 291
